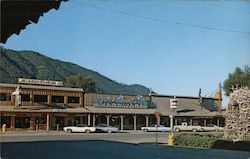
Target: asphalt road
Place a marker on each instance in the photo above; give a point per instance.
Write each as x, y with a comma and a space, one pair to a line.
98, 149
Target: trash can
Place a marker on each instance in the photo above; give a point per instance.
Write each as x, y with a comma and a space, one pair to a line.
4, 128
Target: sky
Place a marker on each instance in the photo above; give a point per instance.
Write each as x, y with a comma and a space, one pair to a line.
172, 47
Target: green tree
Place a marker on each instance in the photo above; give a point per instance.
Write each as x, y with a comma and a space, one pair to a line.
239, 78
78, 81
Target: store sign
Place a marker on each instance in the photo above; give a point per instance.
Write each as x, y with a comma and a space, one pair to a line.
173, 103
120, 102
39, 82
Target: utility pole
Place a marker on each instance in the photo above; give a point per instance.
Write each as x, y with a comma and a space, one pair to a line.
200, 98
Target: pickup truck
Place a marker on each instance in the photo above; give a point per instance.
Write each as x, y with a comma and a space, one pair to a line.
185, 127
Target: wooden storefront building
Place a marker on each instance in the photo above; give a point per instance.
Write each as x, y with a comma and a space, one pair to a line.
43, 106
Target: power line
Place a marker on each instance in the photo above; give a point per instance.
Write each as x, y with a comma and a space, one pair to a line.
160, 20
211, 93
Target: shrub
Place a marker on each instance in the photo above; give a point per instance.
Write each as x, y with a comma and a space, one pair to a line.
196, 140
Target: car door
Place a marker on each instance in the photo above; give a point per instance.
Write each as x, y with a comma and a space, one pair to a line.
153, 128
80, 128
77, 128
105, 128
158, 128
211, 128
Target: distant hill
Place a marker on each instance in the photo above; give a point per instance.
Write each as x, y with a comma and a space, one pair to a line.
30, 64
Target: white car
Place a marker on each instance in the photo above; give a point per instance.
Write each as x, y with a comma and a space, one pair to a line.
156, 128
79, 128
212, 128
106, 128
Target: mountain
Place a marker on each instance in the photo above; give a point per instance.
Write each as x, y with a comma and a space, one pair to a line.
30, 64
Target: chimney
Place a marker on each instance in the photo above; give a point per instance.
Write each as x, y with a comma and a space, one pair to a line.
218, 94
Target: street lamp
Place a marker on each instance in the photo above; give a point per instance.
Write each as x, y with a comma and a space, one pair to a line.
173, 107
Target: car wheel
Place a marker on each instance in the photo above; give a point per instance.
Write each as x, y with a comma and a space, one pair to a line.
87, 131
146, 130
109, 131
202, 130
194, 130
216, 130
177, 130
69, 131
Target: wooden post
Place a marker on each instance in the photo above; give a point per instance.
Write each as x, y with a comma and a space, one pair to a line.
218, 122
147, 119
81, 101
31, 98
205, 122
108, 117
134, 116
49, 96
158, 120
121, 116
47, 125
12, 122
65, 99
89, 119
93, 119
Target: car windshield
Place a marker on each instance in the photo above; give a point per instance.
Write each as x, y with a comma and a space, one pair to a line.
81, 125
210, 125
101, 125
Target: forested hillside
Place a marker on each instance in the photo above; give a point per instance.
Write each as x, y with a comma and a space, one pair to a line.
29, 64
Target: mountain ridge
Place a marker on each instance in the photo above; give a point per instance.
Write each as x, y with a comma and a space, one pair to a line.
31, 64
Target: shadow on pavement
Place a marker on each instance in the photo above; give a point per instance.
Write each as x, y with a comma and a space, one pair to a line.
230, 145
99, 149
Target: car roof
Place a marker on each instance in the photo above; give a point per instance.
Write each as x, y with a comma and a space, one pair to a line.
81, 125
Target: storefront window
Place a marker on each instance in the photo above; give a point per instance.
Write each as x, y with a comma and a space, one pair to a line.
57, 99
40, 120
5, 120
76, 120
60, 121
25, 97
5, 97
22, 122
40, 98
73, 99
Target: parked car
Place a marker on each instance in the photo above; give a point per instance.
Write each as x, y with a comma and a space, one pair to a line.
156, 128
211, 127
185, 127
107, 128
79, 128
